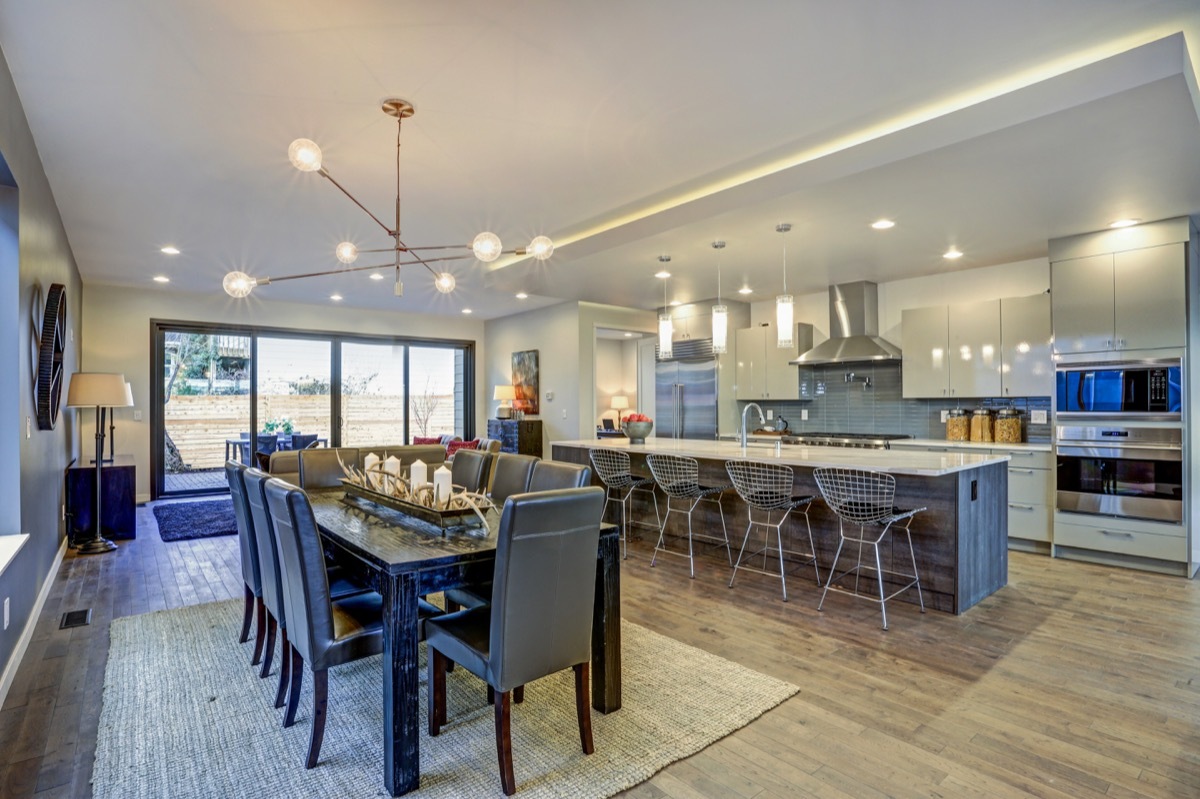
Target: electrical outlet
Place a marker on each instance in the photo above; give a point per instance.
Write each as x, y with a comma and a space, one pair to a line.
770, 414
564, 413
945, 416
28, 427
804, 415
137, 416
6, 613
1039, 417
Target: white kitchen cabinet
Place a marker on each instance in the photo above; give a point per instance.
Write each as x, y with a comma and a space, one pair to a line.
1132, 300
974, 351
763, 371
1027, 368
924, 338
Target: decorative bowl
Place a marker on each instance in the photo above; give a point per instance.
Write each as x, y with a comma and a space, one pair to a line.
637, 431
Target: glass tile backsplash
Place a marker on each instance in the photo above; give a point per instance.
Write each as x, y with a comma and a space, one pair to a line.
839, 405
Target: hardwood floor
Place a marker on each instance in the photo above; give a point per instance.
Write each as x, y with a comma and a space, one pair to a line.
1074, 681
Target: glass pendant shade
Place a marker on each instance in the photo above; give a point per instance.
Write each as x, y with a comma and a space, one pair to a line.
487, 247
720, 328
541, 248
445, 282
666, 329
346, 252
305, 155
785, 326
238, 284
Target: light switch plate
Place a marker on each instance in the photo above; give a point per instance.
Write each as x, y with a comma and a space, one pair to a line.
137, 416
945, 416
1038, 417
564, 413
28, 426
804, 415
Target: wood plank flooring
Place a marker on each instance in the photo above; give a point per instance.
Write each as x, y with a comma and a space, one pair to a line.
1074, 681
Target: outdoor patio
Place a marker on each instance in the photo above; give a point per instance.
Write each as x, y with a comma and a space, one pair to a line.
196, 480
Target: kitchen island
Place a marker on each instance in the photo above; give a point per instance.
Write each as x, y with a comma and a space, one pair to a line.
961, 540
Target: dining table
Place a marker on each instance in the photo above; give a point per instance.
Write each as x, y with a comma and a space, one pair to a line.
404, 558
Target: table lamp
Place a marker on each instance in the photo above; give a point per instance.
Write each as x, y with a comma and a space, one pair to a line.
98, 390
506, 394
112, 423
620, 402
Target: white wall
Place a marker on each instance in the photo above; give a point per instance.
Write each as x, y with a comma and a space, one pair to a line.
116, 338
591, 316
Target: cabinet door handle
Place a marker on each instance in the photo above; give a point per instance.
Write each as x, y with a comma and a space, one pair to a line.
1021, 471
1108, 344
1019, 506
1116, 534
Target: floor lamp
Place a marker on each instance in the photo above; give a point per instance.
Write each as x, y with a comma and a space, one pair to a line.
98, 390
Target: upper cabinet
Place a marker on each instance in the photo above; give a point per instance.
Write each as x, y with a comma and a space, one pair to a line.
980, 349
1131, 300
763, 371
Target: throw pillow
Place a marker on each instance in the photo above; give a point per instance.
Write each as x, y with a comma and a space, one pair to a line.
455, 446
427, 440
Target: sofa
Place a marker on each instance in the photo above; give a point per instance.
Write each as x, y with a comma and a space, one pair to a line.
286, 464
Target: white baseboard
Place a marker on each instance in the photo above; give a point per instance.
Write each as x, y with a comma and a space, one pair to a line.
10, 671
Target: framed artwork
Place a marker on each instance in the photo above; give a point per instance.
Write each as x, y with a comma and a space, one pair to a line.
525, 381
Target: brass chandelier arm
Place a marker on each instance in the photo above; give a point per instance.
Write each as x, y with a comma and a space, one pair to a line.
262, 281
323, 172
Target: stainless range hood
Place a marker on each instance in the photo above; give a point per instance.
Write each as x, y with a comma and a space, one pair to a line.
853, 328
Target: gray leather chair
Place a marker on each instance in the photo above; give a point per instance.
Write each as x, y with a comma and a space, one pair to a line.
272, 589
320, 632
510, 475
540, 618
470, 470
319, 468
251, 575
552, 475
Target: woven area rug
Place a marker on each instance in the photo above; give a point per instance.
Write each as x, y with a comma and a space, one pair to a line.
180, 521
184, 715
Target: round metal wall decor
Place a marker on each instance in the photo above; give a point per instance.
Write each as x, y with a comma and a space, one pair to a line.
51, 344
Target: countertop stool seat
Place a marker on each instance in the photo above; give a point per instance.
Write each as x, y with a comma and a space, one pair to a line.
613, 468
863, 499
767, 488
679, 478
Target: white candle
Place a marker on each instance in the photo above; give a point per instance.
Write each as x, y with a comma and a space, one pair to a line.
418, 474
369, 463
392, 467
441, 487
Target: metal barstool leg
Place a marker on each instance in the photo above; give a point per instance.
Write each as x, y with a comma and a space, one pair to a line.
812, 547
913, 557
625, 525
749, 527
879, 578
779, 540
858, 569
661, 531
691, 560
724, 531
833, 568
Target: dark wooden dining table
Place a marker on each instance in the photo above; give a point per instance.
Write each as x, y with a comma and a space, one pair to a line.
404, 558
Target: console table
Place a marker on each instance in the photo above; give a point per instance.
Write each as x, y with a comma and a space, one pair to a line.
117, 504
520, 436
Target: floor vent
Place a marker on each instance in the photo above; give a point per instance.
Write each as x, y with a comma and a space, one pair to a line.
75, 618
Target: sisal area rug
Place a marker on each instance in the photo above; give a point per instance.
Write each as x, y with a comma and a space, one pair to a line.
180, 521
184, 715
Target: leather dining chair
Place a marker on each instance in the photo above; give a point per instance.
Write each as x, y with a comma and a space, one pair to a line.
552, 475
304, 440
252, 607
320, 468
272, 588
540, 618
470, 470
321, 633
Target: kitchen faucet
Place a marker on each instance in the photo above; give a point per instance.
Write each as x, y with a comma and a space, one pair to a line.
761, 419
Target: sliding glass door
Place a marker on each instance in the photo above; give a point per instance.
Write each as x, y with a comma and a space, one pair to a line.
293, 381
373, 394
436, 395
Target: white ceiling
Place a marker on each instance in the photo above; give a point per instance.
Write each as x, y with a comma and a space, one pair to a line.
622, 130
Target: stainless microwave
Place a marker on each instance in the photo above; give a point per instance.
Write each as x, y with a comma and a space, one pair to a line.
1148, 389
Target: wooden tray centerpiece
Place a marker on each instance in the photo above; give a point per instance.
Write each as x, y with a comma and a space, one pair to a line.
382, 484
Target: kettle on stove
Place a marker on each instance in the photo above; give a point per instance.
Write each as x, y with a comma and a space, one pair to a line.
781, 424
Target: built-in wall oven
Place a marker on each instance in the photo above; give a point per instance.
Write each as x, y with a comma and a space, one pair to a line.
1133, 472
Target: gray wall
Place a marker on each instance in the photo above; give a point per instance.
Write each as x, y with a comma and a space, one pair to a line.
44, 258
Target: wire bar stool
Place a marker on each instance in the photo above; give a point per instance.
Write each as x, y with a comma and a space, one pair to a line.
612, 467
865, 498
767, 487
679, 478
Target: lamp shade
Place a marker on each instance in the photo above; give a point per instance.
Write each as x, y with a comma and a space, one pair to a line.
504, 393
620, 403
98, 389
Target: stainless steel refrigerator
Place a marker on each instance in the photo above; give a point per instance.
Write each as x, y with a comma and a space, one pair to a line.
685, 399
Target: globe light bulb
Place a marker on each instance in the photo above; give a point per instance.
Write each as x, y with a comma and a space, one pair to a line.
305, 155
541, 248
238, 284
346, 252
487, 247
445, 282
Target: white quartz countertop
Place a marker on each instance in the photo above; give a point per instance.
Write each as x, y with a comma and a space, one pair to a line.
893, 461
941, 442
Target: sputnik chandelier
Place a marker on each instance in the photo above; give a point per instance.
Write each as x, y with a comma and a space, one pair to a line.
305, 155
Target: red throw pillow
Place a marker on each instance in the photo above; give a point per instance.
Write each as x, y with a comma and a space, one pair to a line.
426, 440
455, 446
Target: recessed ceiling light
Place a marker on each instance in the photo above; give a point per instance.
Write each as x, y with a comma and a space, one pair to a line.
673, 303
376, 276
883, 224
335, 297
170, 250
745, 290
522, 295
161, 279
952, 253
628, 335
662, 274
1124, 223
467, 310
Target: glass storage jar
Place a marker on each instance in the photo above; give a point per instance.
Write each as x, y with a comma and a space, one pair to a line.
981, 425
957, 425
1008, 426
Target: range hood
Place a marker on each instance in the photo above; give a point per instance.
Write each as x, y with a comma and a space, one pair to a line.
853, 328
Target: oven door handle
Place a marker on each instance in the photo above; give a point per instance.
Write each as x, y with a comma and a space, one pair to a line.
1122, 453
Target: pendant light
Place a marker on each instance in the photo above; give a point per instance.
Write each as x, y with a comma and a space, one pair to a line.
720, 314
784, 312
666, 328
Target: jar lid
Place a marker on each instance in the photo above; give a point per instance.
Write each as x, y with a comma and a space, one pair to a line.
954, 413
983, 411
1008, 413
